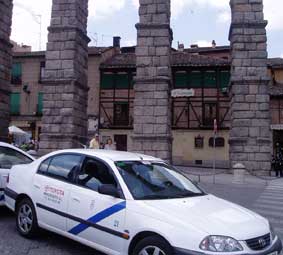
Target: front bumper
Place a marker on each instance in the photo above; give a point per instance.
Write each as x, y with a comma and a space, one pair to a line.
275, 247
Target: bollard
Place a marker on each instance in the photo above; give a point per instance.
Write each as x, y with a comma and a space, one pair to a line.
239, 173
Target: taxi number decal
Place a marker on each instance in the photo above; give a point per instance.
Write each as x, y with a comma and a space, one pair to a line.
53, 195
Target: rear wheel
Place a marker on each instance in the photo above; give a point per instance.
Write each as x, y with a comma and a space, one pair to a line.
26, 219
153, 245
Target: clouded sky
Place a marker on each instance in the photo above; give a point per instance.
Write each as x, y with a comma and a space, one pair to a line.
193, 21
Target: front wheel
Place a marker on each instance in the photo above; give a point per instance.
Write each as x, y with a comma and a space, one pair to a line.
26, 219
153, 245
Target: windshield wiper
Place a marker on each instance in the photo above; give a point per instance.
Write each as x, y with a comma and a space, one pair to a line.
153, 197
190, 194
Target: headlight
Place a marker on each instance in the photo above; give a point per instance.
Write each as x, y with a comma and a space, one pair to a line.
272, 232
220, 244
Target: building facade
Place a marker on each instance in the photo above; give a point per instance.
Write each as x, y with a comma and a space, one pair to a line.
199, 95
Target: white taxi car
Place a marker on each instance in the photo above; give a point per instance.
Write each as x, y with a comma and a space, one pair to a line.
10, 156
126, 203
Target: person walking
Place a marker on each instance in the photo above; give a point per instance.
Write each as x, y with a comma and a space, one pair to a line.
278, 161
94, 143
109, 145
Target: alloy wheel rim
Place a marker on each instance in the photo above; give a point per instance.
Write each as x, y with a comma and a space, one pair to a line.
25, 218
151, 250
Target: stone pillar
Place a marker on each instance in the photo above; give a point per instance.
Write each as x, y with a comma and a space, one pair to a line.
152, 113
64, 122
6, 8
250, 135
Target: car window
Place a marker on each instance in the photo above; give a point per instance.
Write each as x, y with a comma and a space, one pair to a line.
10, 157
44, 166
63, 167
93, 174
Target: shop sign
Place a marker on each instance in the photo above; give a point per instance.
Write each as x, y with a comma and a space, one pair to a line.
183, 93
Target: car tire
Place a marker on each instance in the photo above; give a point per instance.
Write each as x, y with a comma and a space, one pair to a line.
153, 245
26, 219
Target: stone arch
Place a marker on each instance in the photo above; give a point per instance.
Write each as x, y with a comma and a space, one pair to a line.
64, 122
6, 7
65, 83
250, 135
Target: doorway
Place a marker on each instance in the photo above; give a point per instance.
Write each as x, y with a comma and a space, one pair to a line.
121, 142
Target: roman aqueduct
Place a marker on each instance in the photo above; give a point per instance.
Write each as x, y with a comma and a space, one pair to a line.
65, 81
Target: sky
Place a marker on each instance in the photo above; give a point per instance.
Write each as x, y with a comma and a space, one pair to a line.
193, 22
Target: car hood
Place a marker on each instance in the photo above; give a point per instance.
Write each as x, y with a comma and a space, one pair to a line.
212, 215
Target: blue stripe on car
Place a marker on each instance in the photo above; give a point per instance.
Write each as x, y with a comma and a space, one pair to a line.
98, 217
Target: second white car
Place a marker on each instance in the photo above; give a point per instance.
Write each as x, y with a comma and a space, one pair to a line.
10, 156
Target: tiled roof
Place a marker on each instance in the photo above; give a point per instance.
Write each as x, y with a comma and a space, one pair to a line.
275, 62
208, 49
97, 50
128, 60
122, 60
29, 54
91, 51
187, 59
276, 90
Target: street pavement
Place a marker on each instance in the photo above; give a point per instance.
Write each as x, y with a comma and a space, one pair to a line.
266, 198
270, 205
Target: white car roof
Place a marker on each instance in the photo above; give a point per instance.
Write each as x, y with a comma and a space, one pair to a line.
7, 145
111, 155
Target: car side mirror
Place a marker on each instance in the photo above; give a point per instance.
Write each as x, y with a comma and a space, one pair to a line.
109, 189
6, 165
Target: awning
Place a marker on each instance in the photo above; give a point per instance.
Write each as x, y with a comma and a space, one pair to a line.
277, 127
16, 131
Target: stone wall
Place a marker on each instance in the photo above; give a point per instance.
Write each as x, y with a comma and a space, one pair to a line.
250, 136
152, 114
64, 122
6, 7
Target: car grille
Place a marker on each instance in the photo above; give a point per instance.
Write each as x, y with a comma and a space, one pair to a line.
259, 243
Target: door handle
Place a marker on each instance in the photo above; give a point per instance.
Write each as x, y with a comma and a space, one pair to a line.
36, 186
76, 199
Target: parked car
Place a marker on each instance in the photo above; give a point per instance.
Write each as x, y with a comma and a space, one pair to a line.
128, 203
10, 156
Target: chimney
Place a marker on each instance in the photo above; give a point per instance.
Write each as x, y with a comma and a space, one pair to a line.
116, 41
181, 47
213, 44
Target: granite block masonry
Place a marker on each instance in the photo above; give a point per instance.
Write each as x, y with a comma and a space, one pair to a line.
64, 122
152, 107
250, 138
6, 9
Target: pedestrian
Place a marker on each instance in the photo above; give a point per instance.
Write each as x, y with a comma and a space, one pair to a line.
109, 145
278, 161
94, 143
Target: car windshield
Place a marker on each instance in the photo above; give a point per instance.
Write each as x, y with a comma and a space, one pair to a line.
151, 180
10, 157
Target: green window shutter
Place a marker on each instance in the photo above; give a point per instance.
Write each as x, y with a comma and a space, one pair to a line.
17, 69
196, 79
224, 79
40, 103
107, 81
122, 81
15, 103
16, 73
210, 79
181, 80
132, 81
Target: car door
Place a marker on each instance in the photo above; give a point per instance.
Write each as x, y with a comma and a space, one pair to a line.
8, 158
51, 189
95, 217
